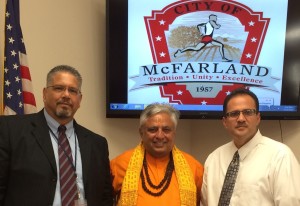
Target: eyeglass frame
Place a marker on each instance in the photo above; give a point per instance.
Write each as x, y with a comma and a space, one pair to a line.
60, 89
251, 112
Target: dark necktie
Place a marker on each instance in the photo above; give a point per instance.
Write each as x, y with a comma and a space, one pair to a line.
68, 187
229, 180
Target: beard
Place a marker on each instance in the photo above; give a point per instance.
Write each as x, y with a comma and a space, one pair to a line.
63, 113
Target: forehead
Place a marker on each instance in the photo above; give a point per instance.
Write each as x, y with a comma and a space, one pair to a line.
241, 101
64, 78
159, 119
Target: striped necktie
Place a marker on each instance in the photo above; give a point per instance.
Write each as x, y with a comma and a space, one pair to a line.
68, 187
229, 180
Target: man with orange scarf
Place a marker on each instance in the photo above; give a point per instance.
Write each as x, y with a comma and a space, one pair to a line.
156, 172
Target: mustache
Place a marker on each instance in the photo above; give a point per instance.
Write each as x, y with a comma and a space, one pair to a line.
158, 140
241, 125
64, 101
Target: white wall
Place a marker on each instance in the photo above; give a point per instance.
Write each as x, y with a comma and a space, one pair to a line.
73, 32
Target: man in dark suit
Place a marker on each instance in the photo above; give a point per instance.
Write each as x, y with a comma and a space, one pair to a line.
30, 170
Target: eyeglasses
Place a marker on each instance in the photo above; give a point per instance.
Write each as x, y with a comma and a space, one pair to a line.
246, 113
60, 89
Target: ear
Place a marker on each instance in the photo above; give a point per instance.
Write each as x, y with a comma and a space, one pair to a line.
258, 118
80, 98
141, 131
224, 122
44, 94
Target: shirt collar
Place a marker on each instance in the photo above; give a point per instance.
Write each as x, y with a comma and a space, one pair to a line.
249, 146
53, 125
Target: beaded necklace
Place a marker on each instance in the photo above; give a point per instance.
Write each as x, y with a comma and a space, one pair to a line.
163, 185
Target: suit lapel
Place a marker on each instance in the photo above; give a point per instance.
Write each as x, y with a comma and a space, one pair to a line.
41, 133
85, 151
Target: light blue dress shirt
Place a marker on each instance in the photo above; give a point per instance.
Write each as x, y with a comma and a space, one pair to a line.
71, 135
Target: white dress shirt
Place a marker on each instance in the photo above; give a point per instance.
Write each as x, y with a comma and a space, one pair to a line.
269, 174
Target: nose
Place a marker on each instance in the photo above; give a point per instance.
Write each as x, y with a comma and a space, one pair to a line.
241, 117
66, 92
160, 134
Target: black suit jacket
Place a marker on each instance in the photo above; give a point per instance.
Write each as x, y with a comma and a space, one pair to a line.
28, 173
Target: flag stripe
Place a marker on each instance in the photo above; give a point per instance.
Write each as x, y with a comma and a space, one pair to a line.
26, 85
29, 108
25, 72
29, 98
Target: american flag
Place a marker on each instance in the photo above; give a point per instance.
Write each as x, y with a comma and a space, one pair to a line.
18, 97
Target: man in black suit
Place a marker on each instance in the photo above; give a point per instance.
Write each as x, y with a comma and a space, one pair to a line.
29, 160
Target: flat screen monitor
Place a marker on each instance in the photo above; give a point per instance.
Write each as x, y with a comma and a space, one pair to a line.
192, 53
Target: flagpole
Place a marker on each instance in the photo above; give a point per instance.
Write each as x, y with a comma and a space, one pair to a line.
2, 43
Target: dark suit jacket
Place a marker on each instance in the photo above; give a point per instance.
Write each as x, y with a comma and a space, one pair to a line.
28, 173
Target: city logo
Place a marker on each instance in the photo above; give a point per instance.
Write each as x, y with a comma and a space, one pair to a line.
202, 50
